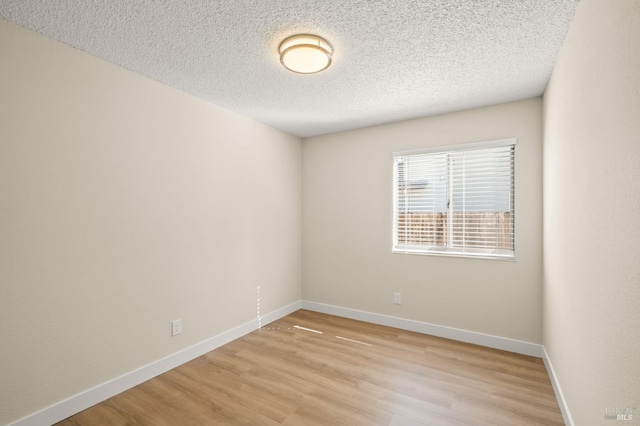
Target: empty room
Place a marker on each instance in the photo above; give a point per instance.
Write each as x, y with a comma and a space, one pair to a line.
364, 212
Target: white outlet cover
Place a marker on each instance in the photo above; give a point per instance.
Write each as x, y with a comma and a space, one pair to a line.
176, 327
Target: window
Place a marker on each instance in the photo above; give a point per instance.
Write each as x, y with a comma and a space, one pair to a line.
455, 201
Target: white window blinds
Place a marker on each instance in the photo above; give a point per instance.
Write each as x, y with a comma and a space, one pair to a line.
456, 201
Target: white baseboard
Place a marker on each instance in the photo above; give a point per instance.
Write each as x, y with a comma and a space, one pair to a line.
564, 408
511, 345
97, 394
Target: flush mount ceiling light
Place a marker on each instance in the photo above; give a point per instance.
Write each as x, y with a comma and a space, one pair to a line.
305, 53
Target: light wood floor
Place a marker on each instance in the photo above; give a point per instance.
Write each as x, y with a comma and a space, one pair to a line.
285, 375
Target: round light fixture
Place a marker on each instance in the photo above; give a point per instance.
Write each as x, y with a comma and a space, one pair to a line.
305, 53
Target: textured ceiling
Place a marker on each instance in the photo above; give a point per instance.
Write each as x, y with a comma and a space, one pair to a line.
393, 60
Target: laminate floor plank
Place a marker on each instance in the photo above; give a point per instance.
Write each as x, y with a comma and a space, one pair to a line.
316, 369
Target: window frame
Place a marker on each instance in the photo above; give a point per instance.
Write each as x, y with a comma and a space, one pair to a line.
483, 253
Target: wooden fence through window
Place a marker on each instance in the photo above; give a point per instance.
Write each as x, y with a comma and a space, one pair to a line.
482, 230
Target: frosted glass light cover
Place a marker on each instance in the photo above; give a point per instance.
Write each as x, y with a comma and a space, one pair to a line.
305, 54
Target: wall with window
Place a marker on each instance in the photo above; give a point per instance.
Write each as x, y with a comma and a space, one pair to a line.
592, 213
347, 227
125, 204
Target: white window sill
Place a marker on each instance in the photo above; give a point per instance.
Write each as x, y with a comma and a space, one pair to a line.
457, 252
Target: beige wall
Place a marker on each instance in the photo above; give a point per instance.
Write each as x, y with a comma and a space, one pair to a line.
125, 204
347, 210
592, 212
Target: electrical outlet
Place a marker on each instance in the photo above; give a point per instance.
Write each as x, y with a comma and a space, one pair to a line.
176, 327
397, 298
